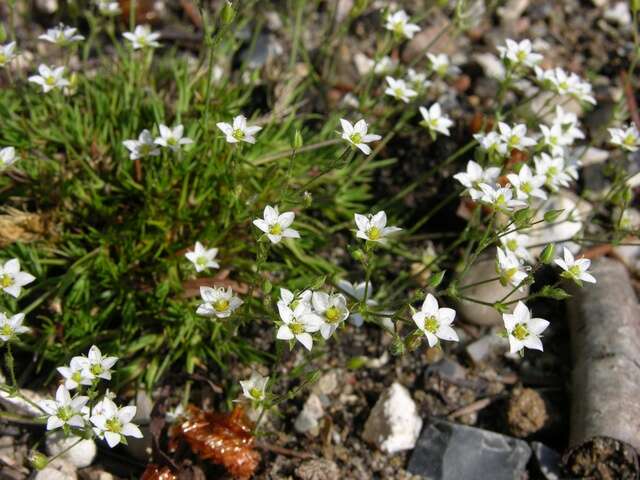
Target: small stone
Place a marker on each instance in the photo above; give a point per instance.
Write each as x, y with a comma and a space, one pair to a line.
447, 369
487, 347
307, 420
47, 6
80, 455
548, 461
318, 469
449, 451
619, 14
512, 11
490, 292
393, 424
58, 469
594, 156
526, 412
491, 65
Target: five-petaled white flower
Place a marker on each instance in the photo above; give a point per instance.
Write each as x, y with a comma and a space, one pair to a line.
218, 302
520, 53
49, 79
527, 184
108, 8
627, 138
332, 310
399, 89
357, 135
562, 83
142, 37
144, 146
373, 228
510, 269
398, 23
75, 373
203, 258
554, 171
491, 142
113, 424
523, 331
569, 123
555, 138
435, 322
575, 268
298, 323
516, 243
11, 326
7, 157
276, 225
516, 136
64, 411
476, 175
254, 388
292, 300
96, 365
500, 198
358, 291
239, 131
172, 138
7, 53
12, 279
441, 65
418, 80
434, 120
61, 35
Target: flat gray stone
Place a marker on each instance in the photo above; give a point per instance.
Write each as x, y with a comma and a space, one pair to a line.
449, 451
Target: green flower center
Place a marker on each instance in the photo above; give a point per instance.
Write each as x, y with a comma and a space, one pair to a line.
64, 413
275, 229
520, 332
526, 187
514, 140
398, 92
114, 425
6, 330
76, 377
3, 58
431, 324
374, 233
297, 328
434, 122
255, 393
221, 305
356, 138
50, 80
172, 141
500, 200
332, 314
6, 280
201, 261
508, 274
521, 55
398, 27
574, 271
512, 245
564, 85
96, 369
238, 134
629, 140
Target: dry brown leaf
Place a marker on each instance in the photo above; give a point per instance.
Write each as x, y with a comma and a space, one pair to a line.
154, 472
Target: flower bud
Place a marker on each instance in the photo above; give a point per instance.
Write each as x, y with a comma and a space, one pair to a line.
39, 461
547, 254
3, 34
307, 199
297, 140
228, 13
397, 347
358, 255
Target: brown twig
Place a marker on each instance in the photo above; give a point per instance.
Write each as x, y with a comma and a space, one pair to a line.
192, 12
631, 99
472, 407
138, 166
284, 451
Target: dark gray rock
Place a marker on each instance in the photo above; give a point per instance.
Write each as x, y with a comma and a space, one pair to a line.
449, 451
547, 460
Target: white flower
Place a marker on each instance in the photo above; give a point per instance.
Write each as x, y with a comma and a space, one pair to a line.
276, 225
7, 53
491, 142
218, 302
554, 171
74, 374
435, 120
435, 322
523, 330
520, 53
575, 269
239, 131
516, 136
510, 269
142, 147
527, 184
357, 135
142, 37
516, 243
357, 291
568, 121
558, 81
49, 78
398, 23
476, 175
96, 366
64, 411
500, 198
12, 279
172, 138
113, 424
299, 324
61, 35
203, 258
254, 388
399, 89
373, 228
627, 138
174, 414
11, 326
290, 300
417, 80
7, 157
332, 310
555, 139
108, 8
441, 65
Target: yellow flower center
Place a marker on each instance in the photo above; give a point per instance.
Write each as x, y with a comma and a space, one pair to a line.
520, 332
514, 140
50, 80
221, 305
512, 245
629, 140
96, 369
374, 233
356, 138
6, 281
201, 261
332, 314
255, 393
6, 331
431, 324
521, 55
526, 187
238, 134
297, 328
64, 413
275, 229
114, 425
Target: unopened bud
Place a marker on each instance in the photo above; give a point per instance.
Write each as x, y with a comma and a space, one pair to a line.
228, 13
297, 140
547, 254
39, 461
